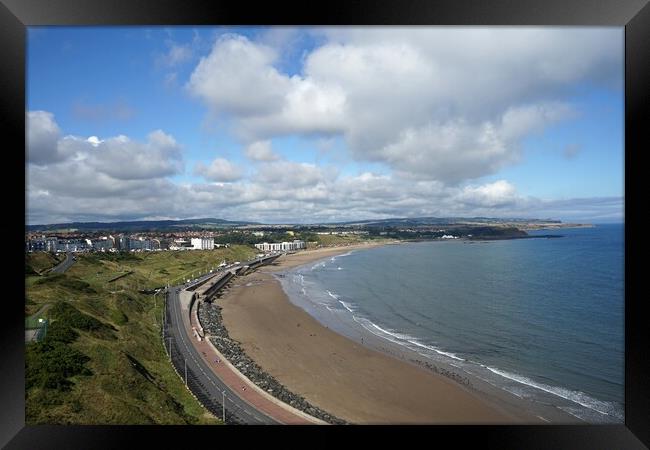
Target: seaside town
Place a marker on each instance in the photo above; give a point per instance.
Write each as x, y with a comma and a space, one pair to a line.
141, 243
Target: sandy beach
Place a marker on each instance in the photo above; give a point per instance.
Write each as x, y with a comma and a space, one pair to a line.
351, 381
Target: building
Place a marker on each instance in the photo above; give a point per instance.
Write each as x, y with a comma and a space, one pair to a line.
202, 243
36, 245
181, 244
73, 245
281, 246
123, 243
102, 244
140, 244
52, 244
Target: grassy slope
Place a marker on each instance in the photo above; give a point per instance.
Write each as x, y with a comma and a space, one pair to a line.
40, 261
132, 380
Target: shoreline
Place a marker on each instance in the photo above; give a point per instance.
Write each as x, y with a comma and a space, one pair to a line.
369, 383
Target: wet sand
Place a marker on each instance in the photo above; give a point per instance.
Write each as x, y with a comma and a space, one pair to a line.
348, 380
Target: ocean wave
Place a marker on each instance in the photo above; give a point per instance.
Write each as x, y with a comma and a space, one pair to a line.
334, 258
364, 323
299, 279
582, 399
437, 350
334, 296
346, 306
403, 337
317, 265
399, 338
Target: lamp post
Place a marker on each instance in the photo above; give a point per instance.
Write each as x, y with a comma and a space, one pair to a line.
223, 406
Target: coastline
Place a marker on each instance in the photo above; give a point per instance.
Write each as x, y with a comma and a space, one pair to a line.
370, 383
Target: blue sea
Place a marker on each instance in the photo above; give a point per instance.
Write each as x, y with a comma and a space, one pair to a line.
541, 319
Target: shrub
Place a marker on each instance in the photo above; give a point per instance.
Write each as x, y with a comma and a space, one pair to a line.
50, 364
60, 332
70, 316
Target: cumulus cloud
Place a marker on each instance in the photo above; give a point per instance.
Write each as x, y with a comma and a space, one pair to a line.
75, 177
260, 151
499, 193
219, 170
291, 174
412, 98
43, 135
125, 159
436, 108
238, 77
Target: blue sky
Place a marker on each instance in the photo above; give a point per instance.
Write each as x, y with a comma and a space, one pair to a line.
317, 124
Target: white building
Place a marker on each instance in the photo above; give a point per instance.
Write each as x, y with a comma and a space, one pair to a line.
202, 243
281, 246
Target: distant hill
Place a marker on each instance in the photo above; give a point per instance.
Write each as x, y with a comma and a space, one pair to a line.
141, 225
423, 221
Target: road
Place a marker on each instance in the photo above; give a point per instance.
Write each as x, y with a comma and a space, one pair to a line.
65, 265
175, 329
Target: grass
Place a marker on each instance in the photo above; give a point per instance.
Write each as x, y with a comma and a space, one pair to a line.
36, 263
127, 377
331, 240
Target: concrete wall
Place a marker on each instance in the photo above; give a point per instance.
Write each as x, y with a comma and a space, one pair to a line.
217, 285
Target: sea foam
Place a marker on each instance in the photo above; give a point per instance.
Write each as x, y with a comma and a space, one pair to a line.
582, 399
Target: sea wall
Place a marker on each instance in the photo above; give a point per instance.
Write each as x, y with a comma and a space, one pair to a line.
210, 317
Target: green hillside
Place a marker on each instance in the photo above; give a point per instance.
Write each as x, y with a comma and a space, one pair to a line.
102, 360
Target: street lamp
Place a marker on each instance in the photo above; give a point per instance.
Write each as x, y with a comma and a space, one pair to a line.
223, 406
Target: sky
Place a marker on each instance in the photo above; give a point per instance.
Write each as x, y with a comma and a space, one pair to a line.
323, 124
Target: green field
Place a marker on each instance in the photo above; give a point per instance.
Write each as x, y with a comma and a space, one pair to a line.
331, 240
104, 361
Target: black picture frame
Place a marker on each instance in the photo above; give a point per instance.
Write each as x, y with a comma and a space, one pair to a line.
634, 15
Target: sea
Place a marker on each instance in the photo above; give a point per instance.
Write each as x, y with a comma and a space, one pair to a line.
541, 319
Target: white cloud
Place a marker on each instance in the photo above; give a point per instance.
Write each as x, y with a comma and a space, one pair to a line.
219, 170
238, 77
94, 141
260, 151
499, 193
124, 159
411, 97
436, 108
43, 135
289, 174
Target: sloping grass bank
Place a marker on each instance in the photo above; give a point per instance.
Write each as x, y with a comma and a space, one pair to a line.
102, 361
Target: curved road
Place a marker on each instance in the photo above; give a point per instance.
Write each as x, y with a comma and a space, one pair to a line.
65, 265
234, 404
